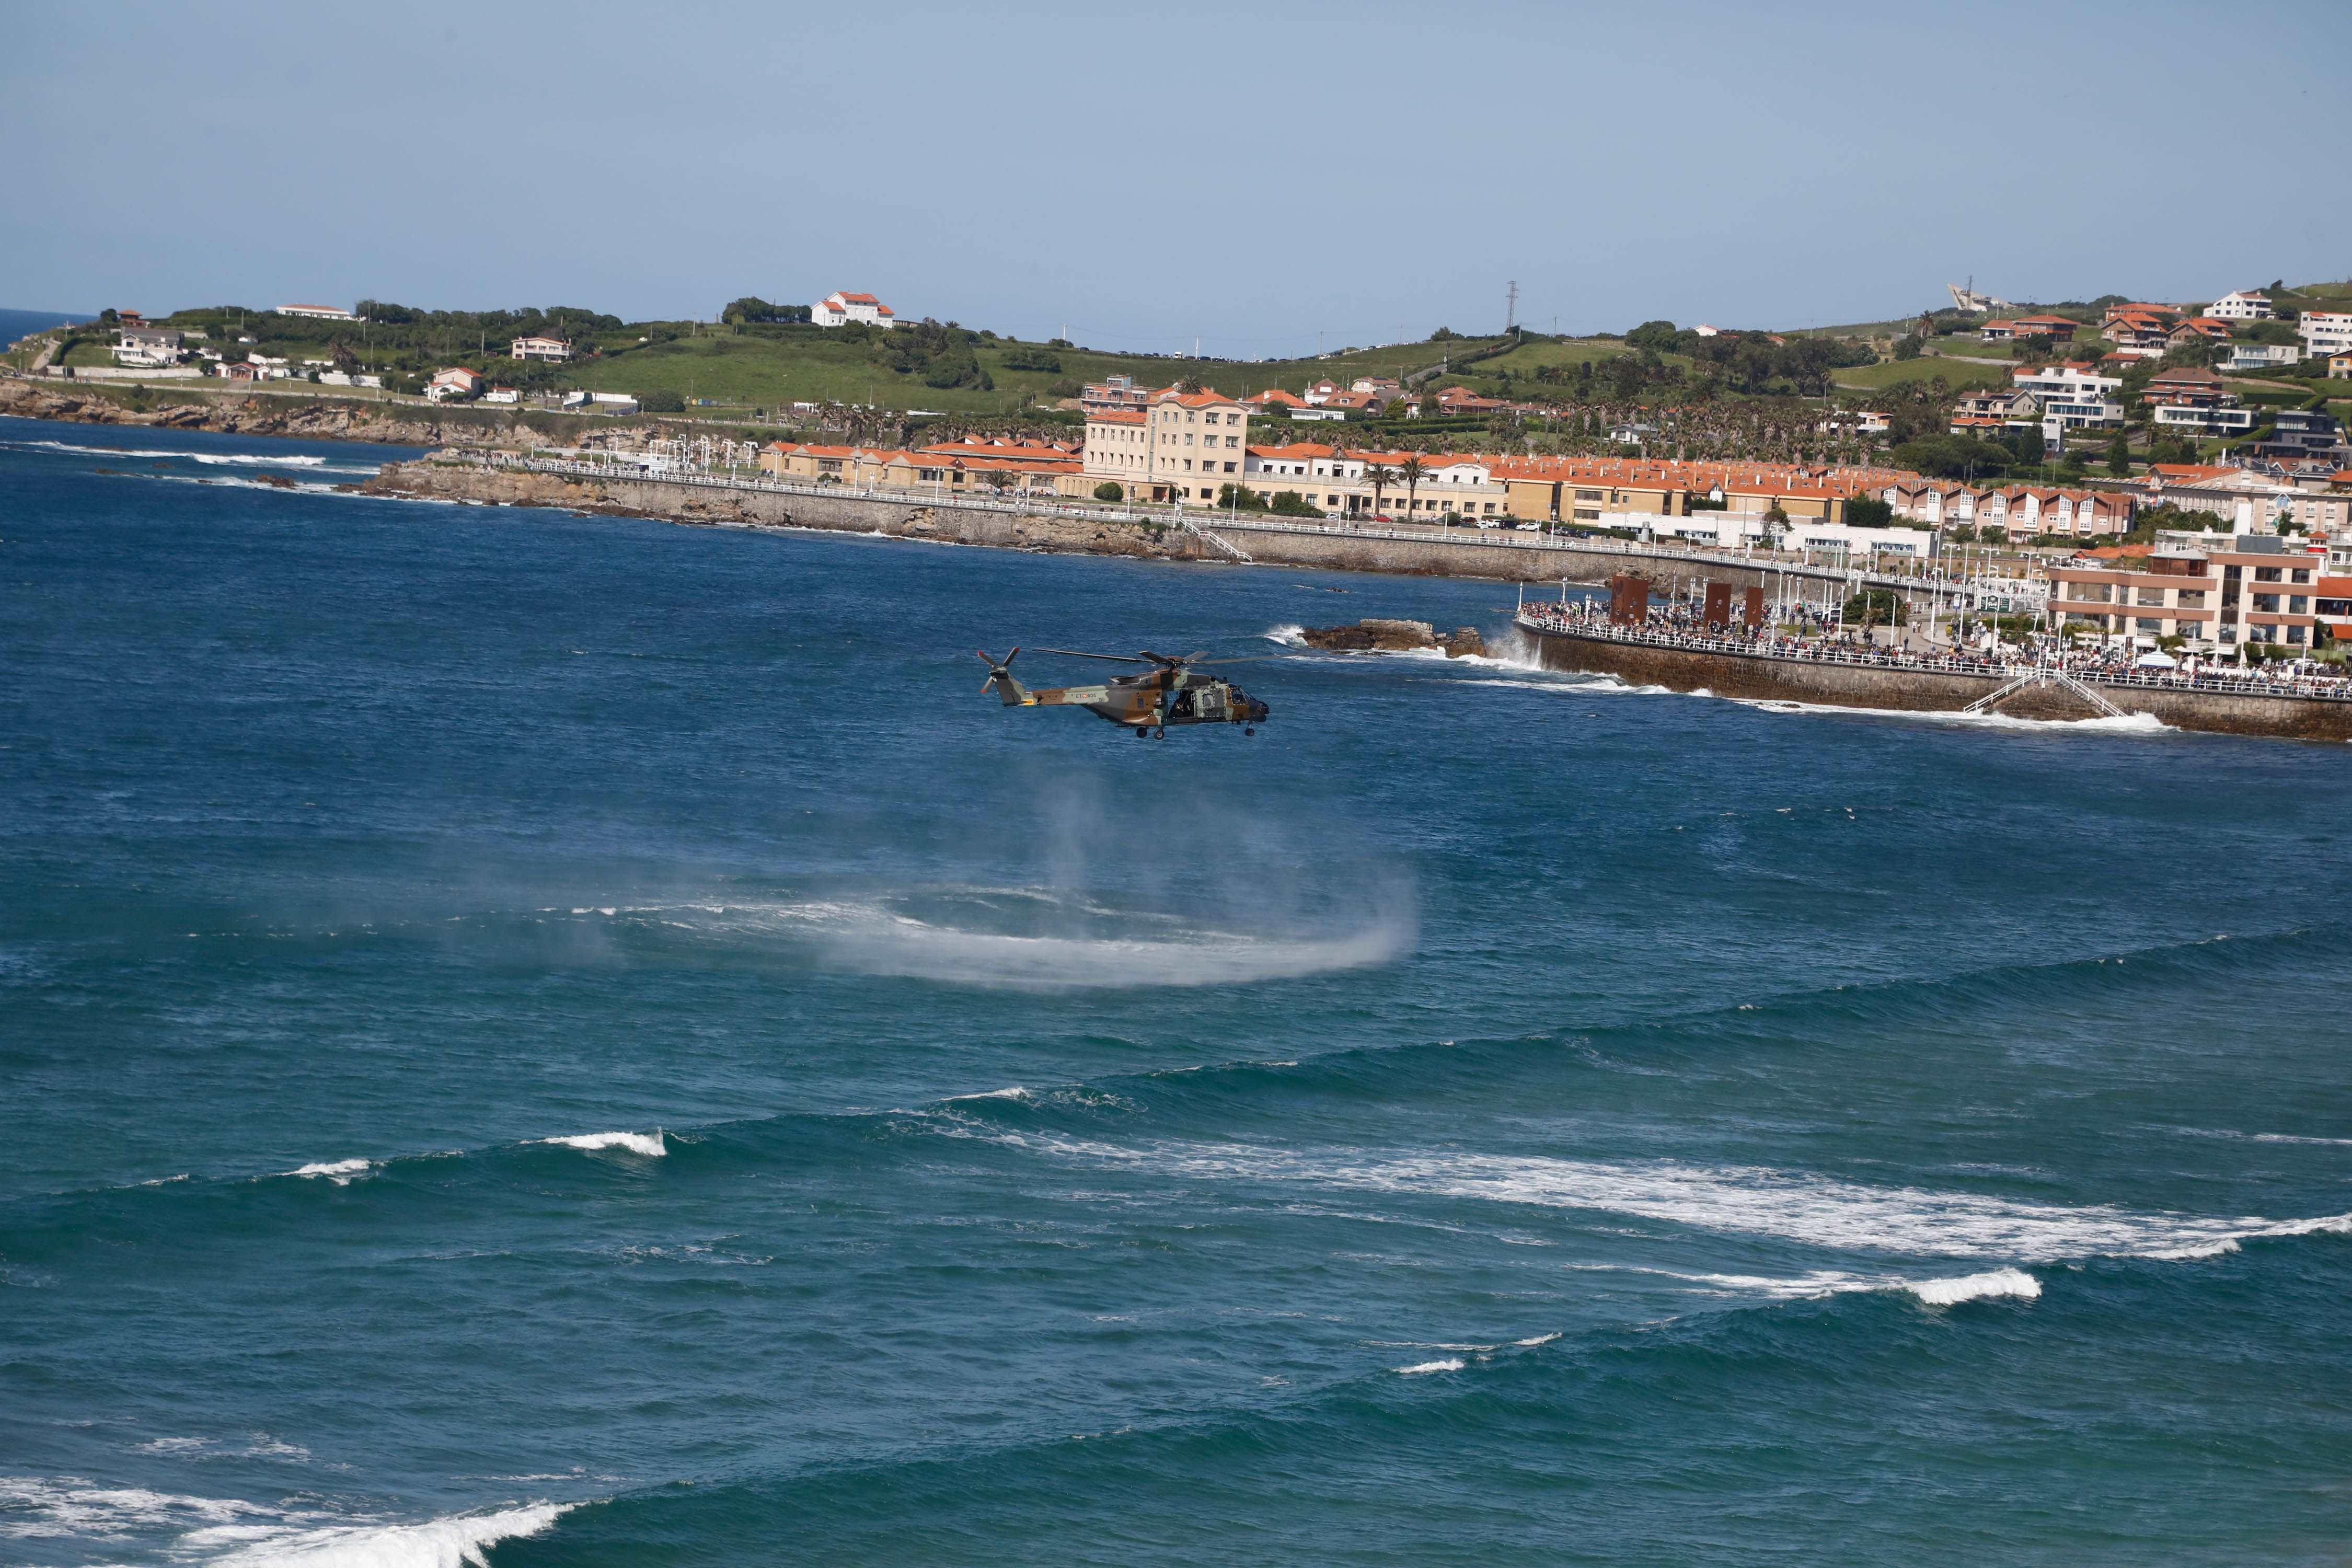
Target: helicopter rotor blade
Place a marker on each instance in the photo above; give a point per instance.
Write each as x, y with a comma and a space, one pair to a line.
1112, 657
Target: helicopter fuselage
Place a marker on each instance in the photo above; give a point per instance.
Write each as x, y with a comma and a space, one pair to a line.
1159, 700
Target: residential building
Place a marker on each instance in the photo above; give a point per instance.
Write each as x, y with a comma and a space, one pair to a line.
2139, 308
2245, 305
2299, 433
554, 350
2021, 511
2261, 356
838, 309
2217, 592
1115, 392
2196, 329
2247, 500
2325, 331
502, 395
2327, 512
2057, 328
2189, 401
2139, 329
455, 382
139, 345
2020, 406
317, 313
2197, 419
1181, 447
2073, 395
2339, 366
2187, 384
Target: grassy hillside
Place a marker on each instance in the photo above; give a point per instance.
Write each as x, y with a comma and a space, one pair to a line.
1957, 373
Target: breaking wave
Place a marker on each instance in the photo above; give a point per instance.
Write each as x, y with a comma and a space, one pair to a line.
339, 1171
449, 1543
649, 1145
1811, 1210
1976, 1287
2126, 725
228, 1533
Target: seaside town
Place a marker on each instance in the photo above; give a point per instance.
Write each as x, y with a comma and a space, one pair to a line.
2218, 531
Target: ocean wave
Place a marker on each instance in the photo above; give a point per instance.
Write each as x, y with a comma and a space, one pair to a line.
343, 1173
254, 459
1812, 1210
1451, 1363
649, 1145
1976, 1287
80, 450
451, 1541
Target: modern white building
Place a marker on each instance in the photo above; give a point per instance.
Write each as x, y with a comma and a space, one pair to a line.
2325, 331
554, 350
838, 309
2261, 356
317, 313
2072, 397
2245, 305
147, 346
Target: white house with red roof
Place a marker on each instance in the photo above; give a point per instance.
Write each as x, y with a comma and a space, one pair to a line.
838, 309
455, 382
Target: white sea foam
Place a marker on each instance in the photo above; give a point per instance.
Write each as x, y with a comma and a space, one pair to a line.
68, 1507
1451, 1363
2127, 724
1791, 1207
1976, 1286
450, 1543
649, 1145
249, 459
917, 949
125, 452
338, 1172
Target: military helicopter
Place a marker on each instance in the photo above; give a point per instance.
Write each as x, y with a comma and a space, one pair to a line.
1170, 693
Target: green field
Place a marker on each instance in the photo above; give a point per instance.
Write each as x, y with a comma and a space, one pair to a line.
1898, 373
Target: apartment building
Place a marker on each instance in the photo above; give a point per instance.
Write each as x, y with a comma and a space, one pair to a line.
2217, 593
2073, 395
1115, 392
2245, 305
1116, 446
555, 350
2325, 331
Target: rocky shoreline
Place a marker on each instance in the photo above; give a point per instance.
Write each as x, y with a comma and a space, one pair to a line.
1373, 635
232, 413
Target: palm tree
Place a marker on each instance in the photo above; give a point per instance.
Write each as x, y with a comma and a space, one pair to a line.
1379, 476
1411, 471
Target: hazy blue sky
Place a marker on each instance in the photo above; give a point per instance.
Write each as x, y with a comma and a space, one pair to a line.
1255, 174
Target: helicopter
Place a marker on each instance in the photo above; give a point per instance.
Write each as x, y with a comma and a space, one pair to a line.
1170, 693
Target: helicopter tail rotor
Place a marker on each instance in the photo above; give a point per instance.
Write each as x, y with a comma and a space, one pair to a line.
1000, 680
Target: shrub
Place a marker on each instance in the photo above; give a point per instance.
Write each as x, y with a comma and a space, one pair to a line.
662, 402
1032, 359
1110, 489
1869, 512
1290, 503
1240, 498
1908, 349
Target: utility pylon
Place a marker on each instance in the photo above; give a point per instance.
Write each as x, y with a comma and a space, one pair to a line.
1511, 310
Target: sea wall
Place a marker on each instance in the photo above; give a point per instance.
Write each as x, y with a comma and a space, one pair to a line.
1912, 690
1512, 558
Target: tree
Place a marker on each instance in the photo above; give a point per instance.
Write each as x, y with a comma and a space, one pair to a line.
2119, 456
1413, 470
662, 400
1908, 349
1379, 476
1290, 503
1240, 498
1001, 479
1868, 511
1110, 489
1656, 336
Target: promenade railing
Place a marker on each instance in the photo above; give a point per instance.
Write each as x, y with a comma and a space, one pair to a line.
2323, 687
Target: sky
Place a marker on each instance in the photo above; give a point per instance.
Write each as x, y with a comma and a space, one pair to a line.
1263, 178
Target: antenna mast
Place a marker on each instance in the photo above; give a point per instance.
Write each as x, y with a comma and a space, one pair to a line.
1511, 310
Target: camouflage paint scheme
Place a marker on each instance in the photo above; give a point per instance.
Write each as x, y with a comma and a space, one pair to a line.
1172, 694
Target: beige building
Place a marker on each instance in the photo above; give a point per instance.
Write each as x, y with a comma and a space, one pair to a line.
2216, 592
1188, 445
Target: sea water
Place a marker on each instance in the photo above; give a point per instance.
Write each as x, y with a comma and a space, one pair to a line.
549, 1039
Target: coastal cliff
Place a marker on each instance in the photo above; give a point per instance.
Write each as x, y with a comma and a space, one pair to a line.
233, 414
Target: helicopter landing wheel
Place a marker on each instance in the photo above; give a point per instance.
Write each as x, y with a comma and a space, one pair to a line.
1141, 731
1249, 729
1161, 734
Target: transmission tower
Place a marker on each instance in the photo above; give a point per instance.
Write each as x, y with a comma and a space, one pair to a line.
1511, 310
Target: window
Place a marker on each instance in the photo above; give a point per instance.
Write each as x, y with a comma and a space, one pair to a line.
2266, 602
2300, 574
2266, 573
2148, 623
2192, 599
2294, 634
2298, 604
2151, 596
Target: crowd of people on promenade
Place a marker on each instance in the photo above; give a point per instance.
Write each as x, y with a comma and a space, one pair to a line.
1817, 633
